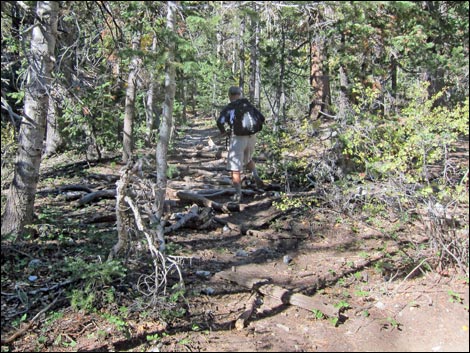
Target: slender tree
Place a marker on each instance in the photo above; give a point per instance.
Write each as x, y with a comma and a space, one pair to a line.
166, 123
151, 117
241, 80
255, 64
129, 115
19, 208
60, 90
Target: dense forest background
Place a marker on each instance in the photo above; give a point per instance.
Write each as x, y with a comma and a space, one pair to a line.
380, 88
355, 93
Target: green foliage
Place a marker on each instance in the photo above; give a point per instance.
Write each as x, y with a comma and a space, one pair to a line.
117, 321
17, 96
318, 314
287, 202
97, 119
408, 144
17, 322
341, 305
171, 304
53, 317
454, 297
153, 338
393, 322
9, 147
284, 147
172, 171
94, 277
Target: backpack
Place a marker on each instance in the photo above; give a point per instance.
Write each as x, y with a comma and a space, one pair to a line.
248, 120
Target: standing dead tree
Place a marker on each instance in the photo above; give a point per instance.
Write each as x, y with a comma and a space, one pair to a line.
135, 215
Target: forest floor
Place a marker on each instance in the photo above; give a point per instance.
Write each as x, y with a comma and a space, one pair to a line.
250, 275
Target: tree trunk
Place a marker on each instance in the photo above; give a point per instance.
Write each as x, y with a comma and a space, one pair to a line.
53, 138
151, 117
254, 77
241, 79
394, 75
59, 92
280, 94
19, 209
128, 140
343, 101
318, 80
165, 127
257, 72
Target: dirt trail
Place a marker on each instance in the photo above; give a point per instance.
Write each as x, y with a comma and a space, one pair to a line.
322, 259
346, 272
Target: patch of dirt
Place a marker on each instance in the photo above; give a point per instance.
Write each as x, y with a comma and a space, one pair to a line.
351, 270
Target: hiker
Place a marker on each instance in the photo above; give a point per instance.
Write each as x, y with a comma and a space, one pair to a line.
242, 144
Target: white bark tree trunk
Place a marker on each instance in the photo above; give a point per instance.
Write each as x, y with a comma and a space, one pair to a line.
165, 127
129, 113
255, 64
151, 118
19, 208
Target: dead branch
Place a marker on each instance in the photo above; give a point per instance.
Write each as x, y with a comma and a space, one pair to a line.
97, 195
191, 215
283, 295
300, 300
107, 218
222, 192
30, 323
106, 177
204, 201
242, 320
155, 284
259, 222
238, 228
122, 219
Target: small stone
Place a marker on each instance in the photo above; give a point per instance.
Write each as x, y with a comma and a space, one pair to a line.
203, 273
208, 290
241, 253
34, 263
380, 305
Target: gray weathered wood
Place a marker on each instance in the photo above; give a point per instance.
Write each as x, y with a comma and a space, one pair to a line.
204, 201
285, 296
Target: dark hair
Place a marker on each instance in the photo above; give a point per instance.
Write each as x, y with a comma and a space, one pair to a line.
234, 91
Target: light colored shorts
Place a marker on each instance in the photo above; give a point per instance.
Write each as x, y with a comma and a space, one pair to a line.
240, 152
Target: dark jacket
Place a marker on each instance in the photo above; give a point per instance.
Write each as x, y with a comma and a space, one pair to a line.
235, 108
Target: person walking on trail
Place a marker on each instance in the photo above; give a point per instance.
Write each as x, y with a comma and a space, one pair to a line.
241, 146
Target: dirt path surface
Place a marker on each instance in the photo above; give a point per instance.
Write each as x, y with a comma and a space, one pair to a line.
259, 277
326, 261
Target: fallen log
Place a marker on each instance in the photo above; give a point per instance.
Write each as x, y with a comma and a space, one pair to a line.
191, 215
107, 218
204, 201
242, 320
259, 222
238, 228
270, 235
194, 218
283, 295
97, 195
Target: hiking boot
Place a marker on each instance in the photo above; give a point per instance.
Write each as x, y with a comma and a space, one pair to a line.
237, 197
259, 183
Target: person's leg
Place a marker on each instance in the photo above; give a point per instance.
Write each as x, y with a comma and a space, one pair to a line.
236, 181
250, 164
254, 172
235, 163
